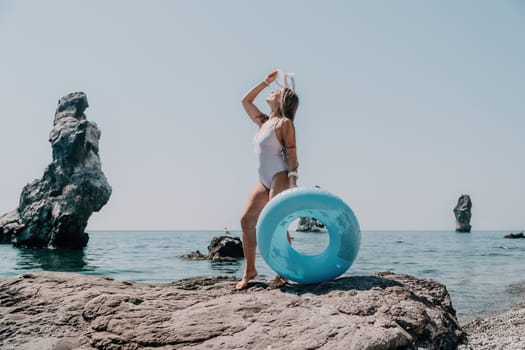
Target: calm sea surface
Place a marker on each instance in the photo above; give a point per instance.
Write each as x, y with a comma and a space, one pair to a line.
483, 271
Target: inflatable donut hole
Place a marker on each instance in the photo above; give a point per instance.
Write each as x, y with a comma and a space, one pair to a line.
328, 260
309, 236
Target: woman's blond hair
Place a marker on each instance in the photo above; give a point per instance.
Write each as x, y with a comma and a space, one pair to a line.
288, 103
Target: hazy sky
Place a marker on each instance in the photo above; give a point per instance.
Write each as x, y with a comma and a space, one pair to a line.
404, 105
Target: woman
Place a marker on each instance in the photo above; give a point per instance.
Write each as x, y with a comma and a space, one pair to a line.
276, 163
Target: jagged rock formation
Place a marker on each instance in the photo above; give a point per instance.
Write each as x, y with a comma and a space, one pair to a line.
220, 248
310, 225
53, 211
70, 311
463, 213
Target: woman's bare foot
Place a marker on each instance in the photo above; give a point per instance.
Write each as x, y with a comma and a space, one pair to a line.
243, 283
278, 282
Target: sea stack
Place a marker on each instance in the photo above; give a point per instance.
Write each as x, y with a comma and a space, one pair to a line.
463, 213
54, 211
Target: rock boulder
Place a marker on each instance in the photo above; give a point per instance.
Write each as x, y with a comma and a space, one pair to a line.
225, 247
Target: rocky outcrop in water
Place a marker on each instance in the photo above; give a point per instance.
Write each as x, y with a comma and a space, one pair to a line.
69, 311
54, 211
220, 248
463, 213
310, 225
225, 247
515, 235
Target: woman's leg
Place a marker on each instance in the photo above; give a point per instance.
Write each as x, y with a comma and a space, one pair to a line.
280, 183
256, 202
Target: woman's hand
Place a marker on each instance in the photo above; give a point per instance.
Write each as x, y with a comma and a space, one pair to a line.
270, 77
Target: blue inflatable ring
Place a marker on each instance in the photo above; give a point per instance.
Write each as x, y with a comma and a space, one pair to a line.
336, 215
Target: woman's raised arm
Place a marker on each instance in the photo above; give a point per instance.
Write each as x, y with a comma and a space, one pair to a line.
247, 100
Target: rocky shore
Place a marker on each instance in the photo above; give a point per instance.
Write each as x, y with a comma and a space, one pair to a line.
60, 311
49, 310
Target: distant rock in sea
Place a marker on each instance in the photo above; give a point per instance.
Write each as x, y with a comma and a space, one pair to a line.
310, 225
54, 211
463, 213
515, 235
71, 311
224, 247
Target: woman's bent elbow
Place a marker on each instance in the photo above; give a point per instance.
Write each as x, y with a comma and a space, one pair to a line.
246, 99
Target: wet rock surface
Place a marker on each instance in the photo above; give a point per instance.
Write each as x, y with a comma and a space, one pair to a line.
386, 311
53, 211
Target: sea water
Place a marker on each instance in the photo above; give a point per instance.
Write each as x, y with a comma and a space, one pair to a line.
483, 272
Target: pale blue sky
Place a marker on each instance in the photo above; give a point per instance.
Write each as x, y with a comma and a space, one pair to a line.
404, 105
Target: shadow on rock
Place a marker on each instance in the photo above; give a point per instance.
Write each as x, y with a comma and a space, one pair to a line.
358, 283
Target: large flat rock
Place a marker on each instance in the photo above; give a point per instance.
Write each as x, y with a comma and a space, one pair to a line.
66, 311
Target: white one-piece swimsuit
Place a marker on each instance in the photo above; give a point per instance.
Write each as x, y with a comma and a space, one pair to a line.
269, 153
